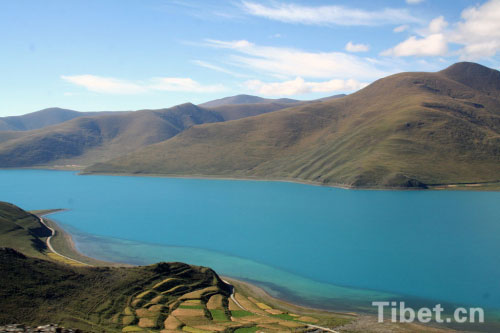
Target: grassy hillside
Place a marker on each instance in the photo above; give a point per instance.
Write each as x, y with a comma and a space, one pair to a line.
87, 139
406, 130
239, 111
22, 230
255, 106
37, 291
42, 118
90, 139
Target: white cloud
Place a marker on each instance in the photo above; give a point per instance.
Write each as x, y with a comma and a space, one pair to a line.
437, 25
183, 84
351, 47
432, 45
401, 28
328, 15
216, 68
288, 62
479, 31
414, 2
108, 85
478, 34
433, 42
299, 86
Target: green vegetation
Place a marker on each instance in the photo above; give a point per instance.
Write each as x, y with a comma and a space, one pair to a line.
36, 291
22, 231
247, 329
241, 313
219, 315
191, 307
409, 130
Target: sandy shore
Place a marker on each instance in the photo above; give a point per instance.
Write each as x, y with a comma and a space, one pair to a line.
63, 243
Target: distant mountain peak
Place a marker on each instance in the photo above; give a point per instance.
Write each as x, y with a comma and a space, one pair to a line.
466, 66
244, 99
474, 75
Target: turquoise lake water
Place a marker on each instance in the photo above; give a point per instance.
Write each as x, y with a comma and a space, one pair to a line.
319, 246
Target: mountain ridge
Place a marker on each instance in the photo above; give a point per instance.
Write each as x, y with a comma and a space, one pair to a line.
43, 118
407, 130
246, 99
88, 139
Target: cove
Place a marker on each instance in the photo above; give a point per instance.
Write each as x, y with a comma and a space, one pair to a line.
320, 246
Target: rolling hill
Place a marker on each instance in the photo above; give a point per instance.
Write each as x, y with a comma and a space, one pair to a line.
97, 299
406, 130
85, 140
42, 118
246, 99
239, 111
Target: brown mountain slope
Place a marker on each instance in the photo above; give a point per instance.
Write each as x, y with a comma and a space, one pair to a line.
94, 138
90, 139
258, 106
239, 111
408, 129
42, 118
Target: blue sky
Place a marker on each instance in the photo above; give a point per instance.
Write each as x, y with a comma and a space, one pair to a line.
129, 55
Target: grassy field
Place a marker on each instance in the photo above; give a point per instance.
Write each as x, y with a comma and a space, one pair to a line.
409, 130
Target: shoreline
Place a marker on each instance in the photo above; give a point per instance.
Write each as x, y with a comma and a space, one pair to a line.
62, 242
465, 186
474, 186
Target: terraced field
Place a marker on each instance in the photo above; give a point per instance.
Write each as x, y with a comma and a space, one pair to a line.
167, 307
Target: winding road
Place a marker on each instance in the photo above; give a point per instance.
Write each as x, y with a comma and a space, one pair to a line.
49, 245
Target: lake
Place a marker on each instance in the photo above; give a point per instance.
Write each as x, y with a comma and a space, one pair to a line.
318, 246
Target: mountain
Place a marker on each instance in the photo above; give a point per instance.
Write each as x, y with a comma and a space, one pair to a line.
255, 106
88, 139
329, 98
405, 130
94, 138
246, 99
42, 118
239, 111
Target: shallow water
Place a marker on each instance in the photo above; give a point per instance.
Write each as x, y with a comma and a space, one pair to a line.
300, 242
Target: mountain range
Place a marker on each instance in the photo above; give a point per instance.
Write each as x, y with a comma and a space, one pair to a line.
407, 130
42, 118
